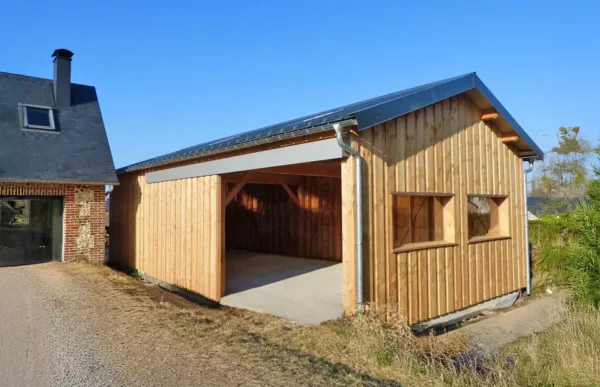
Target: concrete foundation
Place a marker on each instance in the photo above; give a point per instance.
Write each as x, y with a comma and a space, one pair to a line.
307, 291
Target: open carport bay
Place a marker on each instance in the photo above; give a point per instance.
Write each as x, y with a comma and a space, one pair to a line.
284, 242
307, 291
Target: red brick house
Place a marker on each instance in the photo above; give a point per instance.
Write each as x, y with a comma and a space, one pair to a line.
55, 164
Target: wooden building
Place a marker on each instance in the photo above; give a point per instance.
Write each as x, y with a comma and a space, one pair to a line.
442, 201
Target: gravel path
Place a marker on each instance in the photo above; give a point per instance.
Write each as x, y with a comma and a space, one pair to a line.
494, 332
71, 325
44, 340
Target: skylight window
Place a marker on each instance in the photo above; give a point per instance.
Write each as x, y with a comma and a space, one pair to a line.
38, 117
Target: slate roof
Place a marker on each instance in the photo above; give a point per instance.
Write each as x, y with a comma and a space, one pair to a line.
368, 113
77, 152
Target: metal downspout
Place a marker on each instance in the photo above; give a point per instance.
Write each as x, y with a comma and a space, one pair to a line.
338, 127
527, 255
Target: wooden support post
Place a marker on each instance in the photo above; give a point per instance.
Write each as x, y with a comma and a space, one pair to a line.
292, 194
237, 188
488, 115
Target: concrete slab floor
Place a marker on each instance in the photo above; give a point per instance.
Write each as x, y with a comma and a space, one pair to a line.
308, 291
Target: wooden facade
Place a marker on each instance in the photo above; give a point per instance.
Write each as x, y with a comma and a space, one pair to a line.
172, 231
175, 231
444, 148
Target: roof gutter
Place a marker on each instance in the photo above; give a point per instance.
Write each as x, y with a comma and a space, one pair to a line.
244, 145
342, 142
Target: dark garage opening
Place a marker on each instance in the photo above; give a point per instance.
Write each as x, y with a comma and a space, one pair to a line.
30, 230
284, 245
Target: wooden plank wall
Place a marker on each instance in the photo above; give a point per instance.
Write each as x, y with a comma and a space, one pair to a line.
263, 218
170, 230
443, 148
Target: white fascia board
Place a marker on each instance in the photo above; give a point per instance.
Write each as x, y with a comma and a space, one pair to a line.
295, 154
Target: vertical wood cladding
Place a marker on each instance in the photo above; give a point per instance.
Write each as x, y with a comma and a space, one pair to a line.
443, 148
170, 230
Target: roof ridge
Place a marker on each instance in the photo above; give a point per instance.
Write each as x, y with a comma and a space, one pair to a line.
25, 76
49, 80
368, 112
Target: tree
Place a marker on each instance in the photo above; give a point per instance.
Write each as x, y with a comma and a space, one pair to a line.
593, 190
564, 172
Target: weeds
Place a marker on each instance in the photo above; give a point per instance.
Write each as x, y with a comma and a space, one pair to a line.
566, 355
363, 351
568, 246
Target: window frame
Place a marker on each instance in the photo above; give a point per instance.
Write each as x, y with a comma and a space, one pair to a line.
448, 222
27, 125
502, 209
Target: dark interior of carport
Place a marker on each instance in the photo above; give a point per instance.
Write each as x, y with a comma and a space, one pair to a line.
290, 216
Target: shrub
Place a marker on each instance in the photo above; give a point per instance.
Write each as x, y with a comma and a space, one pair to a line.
568, 245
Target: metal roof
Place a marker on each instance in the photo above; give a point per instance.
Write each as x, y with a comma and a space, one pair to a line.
368, 114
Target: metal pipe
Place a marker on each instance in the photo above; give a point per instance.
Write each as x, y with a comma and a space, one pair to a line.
338, 127
527, 255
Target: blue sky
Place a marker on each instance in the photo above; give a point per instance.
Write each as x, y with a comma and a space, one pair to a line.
174, 74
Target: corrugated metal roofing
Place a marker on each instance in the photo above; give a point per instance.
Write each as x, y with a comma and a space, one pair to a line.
368, 113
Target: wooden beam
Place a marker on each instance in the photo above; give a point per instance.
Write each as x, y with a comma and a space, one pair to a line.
318, 168
488, 115
292, 194
263, 178
526, 153
237, 188
510, 137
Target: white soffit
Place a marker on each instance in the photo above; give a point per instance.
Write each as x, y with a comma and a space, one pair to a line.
295, 154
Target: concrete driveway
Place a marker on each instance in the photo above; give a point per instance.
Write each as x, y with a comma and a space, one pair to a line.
80, 325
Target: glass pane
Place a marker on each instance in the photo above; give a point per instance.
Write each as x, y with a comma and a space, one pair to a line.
38, 116
479, 208
30, 231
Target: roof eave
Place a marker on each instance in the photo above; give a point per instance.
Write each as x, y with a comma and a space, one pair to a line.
62, 181
386, 111
508, 117
249, 144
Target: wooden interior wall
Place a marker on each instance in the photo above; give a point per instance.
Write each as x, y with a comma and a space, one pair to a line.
443, 148
170, 230
263, 217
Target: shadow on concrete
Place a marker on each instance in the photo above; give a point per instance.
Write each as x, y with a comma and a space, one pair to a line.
247, 270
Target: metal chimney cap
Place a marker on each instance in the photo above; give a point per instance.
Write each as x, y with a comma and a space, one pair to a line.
62, 53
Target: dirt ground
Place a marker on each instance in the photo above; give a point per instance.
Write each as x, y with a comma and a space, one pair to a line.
82, 325
501, 328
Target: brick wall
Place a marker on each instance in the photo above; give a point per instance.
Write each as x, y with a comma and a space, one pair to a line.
83, 216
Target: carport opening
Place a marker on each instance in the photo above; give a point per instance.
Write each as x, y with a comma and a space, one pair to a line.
30, 230
283, 237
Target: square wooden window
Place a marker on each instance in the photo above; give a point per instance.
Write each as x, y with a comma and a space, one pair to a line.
422, 219
487, 216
